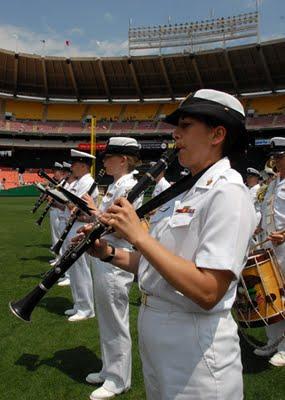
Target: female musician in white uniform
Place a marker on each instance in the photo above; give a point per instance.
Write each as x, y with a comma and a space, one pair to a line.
188, 267
111, 284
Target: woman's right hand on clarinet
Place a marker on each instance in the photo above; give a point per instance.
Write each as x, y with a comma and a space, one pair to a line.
121, 216
98, 249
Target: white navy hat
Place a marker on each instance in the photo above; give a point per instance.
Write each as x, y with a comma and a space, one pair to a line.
58, 165
81, 156
277, 145
66, 165
213, 103
252, 171
122, 145
222, 108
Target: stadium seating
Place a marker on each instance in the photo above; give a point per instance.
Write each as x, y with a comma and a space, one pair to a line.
11, 176
168, 108
121, 119
25, 109
140, 112
65, 112
267, 105
108, 112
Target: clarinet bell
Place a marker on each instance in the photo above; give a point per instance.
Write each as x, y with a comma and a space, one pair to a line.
24, 307
20, 310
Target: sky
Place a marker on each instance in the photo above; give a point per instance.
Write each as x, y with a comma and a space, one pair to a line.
99, 28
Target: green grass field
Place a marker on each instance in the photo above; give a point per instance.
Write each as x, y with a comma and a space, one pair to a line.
50, 357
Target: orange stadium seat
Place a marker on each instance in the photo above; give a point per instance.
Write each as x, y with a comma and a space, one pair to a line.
12, 178
65, 112
140, 112
168, 108
25, 109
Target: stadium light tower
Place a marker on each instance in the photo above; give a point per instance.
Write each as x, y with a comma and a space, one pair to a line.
193, 34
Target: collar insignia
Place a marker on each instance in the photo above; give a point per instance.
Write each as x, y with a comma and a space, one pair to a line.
209, 181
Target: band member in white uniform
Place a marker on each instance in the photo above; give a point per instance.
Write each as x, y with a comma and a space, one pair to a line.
111, 284
161, 185
273, 227
189, 266
63, 216
253, 182
53, 213
80, 273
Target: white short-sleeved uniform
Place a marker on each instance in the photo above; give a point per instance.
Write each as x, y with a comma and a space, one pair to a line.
54, 215
189, 353
80, 274
273, 219
111, 292
253, 194
162, 185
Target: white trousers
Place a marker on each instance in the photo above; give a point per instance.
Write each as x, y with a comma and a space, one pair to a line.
54, 225
81, 281
111, 293
61, 227
189, 356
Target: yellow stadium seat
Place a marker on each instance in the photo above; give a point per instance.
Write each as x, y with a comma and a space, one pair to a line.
65, 112
140, 112
168, 108
25, 109
267, 105
105, 111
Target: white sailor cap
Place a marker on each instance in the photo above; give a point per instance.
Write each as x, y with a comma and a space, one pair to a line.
277, 145
213, 103
58, 165
220, 108
122, 145
252, 171
81, 156
66, 165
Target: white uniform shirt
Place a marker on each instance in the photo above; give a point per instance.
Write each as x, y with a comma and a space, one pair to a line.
253, 195
211, 225
120, 188
273, 215
162, 185
80, 187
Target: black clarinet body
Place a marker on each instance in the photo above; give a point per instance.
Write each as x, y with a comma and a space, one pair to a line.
56, 248
38, 203
23, 308
43, 174
46, 210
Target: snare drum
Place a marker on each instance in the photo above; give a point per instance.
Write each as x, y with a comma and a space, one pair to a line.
261, 291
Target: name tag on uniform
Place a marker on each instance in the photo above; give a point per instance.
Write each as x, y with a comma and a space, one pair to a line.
185, 210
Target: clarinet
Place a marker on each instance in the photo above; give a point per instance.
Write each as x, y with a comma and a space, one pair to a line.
51, 204
56, 248
42, 197
46, 210
23, 308
38, 203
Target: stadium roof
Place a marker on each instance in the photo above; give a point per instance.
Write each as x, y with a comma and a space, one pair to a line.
243, 69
